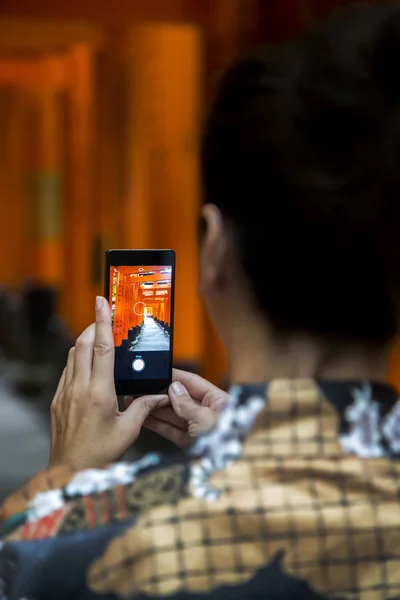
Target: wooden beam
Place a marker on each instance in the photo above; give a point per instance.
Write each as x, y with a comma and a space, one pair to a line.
33, 73
38, 34
122, 12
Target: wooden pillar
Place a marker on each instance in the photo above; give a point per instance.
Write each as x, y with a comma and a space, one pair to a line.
162, 201
136, 211
6, 266
17, 163
108, 150
13, 249
79, 206
45, 191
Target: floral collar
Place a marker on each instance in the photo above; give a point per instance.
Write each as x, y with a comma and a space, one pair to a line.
299, 418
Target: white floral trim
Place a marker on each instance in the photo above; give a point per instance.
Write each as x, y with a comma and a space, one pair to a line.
88, 482
391, 429
99, 480
45, 504
223, 445
364, 439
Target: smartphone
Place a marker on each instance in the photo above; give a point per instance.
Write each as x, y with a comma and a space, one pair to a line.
140, 286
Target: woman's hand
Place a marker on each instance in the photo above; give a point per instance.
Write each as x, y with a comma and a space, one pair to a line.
196, 404
87, 429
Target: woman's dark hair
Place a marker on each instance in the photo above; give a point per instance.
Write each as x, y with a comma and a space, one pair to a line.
301, 153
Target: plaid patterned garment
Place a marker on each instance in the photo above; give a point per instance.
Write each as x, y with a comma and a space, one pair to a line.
295, 494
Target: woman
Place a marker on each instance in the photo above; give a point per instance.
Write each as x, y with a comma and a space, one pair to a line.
293, 490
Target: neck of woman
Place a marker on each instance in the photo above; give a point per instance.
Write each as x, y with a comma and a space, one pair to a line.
255, 354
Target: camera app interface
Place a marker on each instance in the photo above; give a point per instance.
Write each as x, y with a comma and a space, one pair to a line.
141, 316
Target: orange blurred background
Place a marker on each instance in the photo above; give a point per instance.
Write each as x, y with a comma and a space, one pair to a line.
101, 105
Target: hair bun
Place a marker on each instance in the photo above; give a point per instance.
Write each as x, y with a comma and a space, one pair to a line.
386, 56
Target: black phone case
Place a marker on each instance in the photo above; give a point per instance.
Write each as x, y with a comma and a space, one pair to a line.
145, 288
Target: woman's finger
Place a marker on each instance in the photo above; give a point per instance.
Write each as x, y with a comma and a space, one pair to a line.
169, 416
132, 419
60, 388
84, 355
103, 351
174, 434
162, 400
201, 419
195, 385
70, 368
216, 399
183, 404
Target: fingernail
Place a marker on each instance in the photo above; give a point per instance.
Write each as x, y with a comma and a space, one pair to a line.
178, 389
219, 404
99, 302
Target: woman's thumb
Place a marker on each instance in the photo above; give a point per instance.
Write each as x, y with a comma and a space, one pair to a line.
200, 418
138, 409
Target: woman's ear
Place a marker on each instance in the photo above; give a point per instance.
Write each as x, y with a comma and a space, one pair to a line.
213, 248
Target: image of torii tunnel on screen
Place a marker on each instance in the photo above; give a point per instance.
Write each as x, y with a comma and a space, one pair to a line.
140, 298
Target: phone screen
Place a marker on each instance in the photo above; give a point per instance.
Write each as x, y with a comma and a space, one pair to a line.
141, 301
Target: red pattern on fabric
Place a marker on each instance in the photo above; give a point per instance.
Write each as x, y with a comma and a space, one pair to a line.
105, 509
121, 499
44, 528
90, 512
